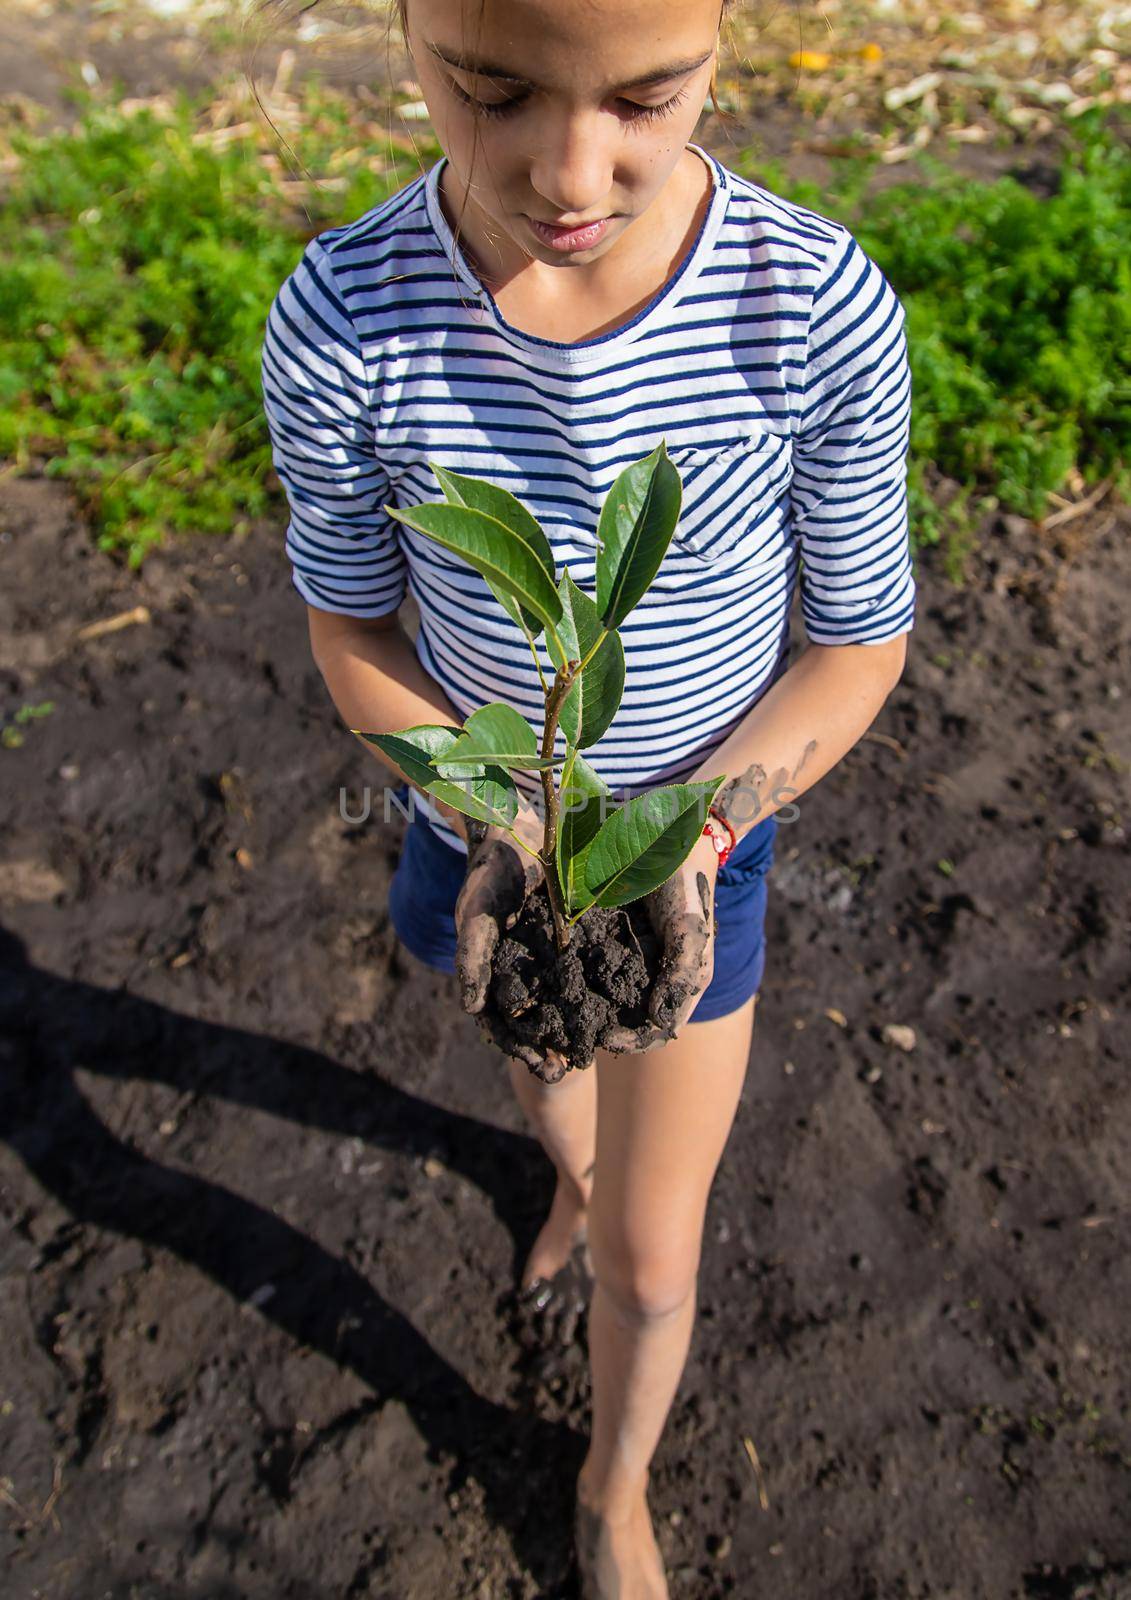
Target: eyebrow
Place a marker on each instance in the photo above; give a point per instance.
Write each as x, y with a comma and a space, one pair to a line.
488, 69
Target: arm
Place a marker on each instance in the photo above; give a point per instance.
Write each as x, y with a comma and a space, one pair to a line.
373, 676
850, 521
348, 565
801, 728
370, 667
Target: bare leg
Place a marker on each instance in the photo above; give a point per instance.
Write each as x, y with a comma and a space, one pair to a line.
663, 1121
563, 1116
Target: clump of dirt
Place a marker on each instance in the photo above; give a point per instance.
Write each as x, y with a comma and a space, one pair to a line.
546, 999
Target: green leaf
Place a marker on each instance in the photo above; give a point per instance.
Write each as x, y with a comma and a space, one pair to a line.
644, 842
495, 733
505, 508
638, 519
492, 548
579, 820
413, 748
595, 697
486, 792
489, 795
465, 753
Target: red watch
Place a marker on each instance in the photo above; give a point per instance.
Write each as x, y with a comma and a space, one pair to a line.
722, 849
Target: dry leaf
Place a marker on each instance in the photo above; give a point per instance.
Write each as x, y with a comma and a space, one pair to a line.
810, 60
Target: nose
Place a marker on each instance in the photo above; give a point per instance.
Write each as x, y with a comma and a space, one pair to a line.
572, 166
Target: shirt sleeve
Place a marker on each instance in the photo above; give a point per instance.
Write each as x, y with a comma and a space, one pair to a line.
850, 449
344, 550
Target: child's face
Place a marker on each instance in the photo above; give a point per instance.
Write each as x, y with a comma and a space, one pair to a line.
578, 137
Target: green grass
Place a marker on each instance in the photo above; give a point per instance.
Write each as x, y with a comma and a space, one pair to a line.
1018, 323
136, 273
138, 265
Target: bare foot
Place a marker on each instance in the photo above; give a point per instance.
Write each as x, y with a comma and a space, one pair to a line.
564, 1227
619, 1560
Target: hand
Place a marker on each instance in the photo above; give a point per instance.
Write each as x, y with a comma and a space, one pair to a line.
501, 875
682, 912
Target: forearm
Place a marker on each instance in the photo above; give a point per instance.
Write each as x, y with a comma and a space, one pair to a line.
815, 713
378, 686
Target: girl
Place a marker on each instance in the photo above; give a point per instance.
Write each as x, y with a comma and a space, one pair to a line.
570, 283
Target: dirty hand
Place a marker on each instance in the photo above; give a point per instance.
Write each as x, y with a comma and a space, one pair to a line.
682, 911
500, 877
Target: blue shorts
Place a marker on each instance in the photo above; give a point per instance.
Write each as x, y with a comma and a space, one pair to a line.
430, 874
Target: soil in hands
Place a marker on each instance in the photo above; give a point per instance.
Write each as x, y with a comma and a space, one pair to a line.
567, 1001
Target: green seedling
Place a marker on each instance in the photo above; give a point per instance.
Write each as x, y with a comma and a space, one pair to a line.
594, 851
11, 737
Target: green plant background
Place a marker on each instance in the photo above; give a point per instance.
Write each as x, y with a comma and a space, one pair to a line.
137, 264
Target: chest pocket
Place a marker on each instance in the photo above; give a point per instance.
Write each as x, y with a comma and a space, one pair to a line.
729, 493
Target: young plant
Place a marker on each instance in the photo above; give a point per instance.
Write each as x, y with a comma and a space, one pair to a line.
594, 851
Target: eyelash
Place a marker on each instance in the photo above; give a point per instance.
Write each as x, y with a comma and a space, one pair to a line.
639, 114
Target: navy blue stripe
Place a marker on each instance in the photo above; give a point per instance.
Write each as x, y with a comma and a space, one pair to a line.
776, 356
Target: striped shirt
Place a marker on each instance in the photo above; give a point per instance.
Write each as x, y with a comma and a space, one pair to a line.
773, 363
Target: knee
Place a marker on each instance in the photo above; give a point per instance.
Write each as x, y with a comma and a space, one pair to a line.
645, 1285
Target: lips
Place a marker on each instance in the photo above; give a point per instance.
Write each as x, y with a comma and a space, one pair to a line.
569, 227
575, 236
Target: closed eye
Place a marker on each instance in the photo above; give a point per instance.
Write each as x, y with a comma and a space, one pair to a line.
637, 114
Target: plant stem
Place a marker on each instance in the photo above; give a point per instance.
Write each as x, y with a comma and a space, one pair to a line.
563, 682
537, 663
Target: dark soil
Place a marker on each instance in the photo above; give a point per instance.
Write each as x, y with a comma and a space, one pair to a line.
266, 1190
567, 1001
